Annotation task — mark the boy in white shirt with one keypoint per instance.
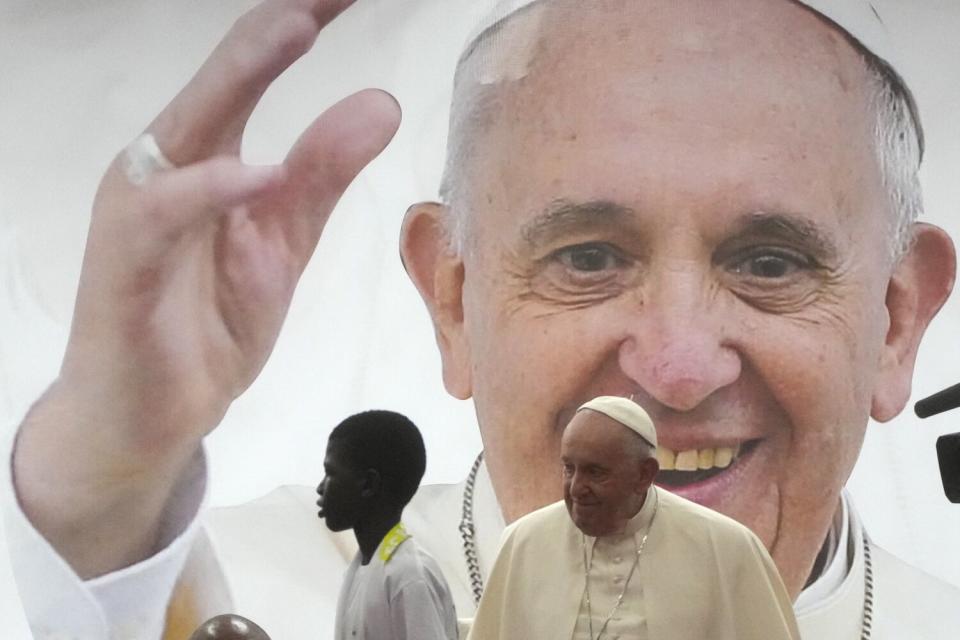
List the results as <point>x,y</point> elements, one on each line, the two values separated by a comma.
<point>393,589</point>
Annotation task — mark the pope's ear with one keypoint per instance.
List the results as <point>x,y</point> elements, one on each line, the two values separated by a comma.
<point>918,288</point>
<point>437,272</point>
<point>651,467</point>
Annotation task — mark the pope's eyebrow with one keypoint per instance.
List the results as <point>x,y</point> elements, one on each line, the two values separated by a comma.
<point>795,230</point>
<point>562,217</point>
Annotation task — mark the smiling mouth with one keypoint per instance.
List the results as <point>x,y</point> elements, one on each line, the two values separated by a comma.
<point>692,466</point>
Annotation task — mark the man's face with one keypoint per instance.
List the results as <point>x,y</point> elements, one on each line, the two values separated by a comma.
<point>341,490</point>
<point>604,475</point>
<point>681,201</point>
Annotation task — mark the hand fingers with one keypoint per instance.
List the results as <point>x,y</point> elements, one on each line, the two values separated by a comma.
<point>209,114</point>
<point>175,200</point>
<point>325,160</point>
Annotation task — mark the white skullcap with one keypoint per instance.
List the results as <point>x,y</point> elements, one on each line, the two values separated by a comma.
<point>626,412</point>
<point>857,18</point>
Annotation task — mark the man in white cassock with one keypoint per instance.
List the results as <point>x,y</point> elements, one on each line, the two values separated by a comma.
<point>620,558</point>
<point>709,205</point>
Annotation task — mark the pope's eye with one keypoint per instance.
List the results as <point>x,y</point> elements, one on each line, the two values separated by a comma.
<point>770,265</point>
<point>583,274</point>
<point>589,257</point>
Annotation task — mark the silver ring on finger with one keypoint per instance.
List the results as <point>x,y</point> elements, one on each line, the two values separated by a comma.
<point>143,158</point>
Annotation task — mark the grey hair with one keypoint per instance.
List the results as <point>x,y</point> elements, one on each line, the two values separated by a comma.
<point>470,114</point>
<point>896,129</point>
<point>898,144</point>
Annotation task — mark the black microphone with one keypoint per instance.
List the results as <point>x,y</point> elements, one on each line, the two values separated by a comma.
<point>948,446</point>
<point>939,402</point>
<point>229,626</point>
<point>948,453</point>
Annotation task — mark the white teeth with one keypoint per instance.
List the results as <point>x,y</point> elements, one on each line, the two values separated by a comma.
<point>705,458</point>
<point>723,457</point>
<point>694,459</point>
<point>687,460</point>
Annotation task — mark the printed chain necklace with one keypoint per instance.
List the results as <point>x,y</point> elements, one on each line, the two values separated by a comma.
<point>867,624</point>
<point>467,534</point>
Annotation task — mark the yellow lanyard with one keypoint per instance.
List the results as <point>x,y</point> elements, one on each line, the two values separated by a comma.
<point>394,538</point>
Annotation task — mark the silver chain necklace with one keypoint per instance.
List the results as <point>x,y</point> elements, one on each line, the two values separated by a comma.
<point>468,535</point>
<point>589,565</point>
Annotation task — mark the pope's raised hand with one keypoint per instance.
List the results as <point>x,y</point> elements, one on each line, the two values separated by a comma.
<point>185,283</point>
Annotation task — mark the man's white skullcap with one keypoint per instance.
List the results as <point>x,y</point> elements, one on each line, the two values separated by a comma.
<point>859,19</point>
<point>626,412</point>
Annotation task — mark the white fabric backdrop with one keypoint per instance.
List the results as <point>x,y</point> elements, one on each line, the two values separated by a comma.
<point>79,79</point>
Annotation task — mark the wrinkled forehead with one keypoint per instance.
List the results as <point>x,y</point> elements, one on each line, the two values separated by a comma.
<point>521,38</point>
<point>677,77</point>
<point>552,67</point>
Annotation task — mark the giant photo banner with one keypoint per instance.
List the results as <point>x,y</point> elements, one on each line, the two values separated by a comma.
<point>704,206</point>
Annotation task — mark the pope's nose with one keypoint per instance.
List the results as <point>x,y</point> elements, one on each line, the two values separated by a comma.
<point>679,352</point>
<point>578,488</point>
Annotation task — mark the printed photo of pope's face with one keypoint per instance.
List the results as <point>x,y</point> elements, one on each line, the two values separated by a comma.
<point>688,203</point>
